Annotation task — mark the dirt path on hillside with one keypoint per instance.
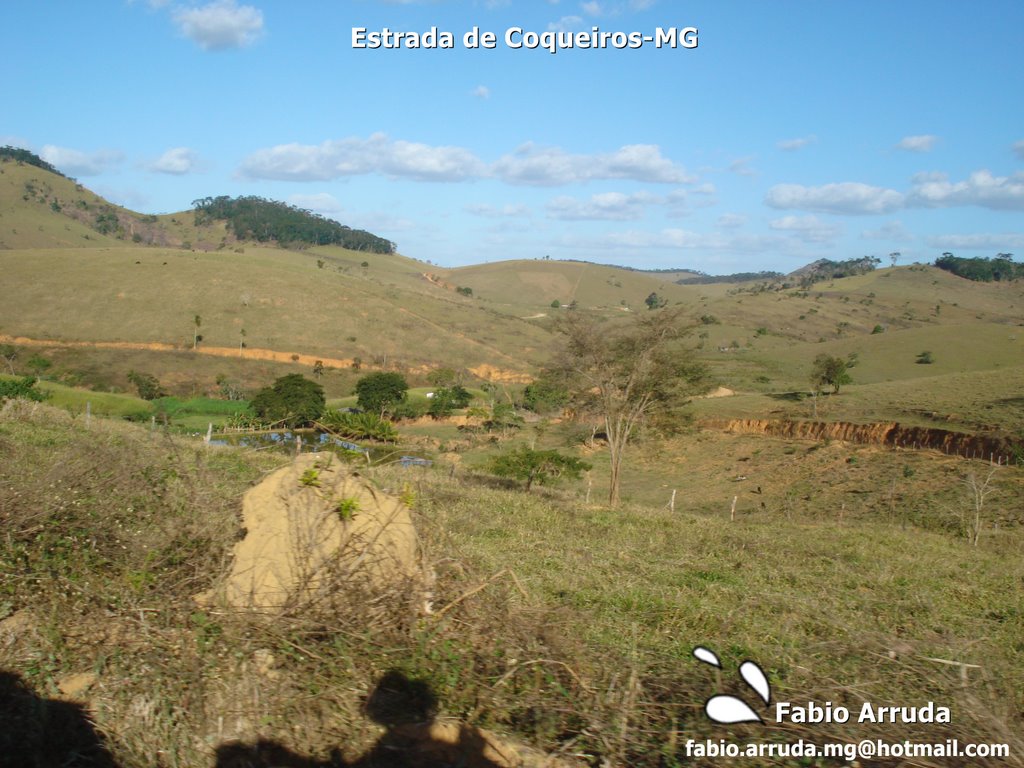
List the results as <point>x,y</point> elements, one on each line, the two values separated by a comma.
<point>482,371</point>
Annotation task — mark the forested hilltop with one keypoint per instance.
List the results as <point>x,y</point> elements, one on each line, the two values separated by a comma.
<point>1002,267</point>
<point>19,155</point>
<point>255,218</point>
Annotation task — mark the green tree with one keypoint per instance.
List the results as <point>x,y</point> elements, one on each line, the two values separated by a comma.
<point>532,466</point>
<point>625,373</point>
<point>447,399</point>
<point>147,384</point>
<point>443,377</point>
<point>831,371</point>
<point>381,392</point>
<point>545,396</point>
<point>925,358</point>
<point>654,301</point>
<point>293,399</point>
<point>197,321</point>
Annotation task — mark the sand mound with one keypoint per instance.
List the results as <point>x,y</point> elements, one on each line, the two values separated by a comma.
<point>317,532</point>
<point>720,392</point>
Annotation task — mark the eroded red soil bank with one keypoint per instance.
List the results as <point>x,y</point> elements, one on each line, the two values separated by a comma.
<point>892,434</point>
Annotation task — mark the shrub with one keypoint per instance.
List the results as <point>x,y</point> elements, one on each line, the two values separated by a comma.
<point>23,388</point>
<point>359,426</point>
<point>544,467</point>
<point>925,358</point>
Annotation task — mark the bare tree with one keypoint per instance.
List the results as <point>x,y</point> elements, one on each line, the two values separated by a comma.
<point>625,373</point>
<point>9,353</point>
<point>979,489</point>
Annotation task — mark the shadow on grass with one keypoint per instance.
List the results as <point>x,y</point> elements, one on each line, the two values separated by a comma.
<point>39,733</point>
<point>406,708</point>
<point>791,397</point>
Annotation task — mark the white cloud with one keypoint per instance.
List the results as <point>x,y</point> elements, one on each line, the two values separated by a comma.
<point>674,238</point>
<point>492,212</point>
<point>791,145</point>
<point>425,163</point>
<point>566,24</point>
<point>606,206</point>
<point>592,8</point>
<point>482,92</point>
<point>731,220</point>
<point>742,167</point>
<point>924,143</point>
<point>810,229</point>
<point>891,230</point>
<point>8,140</point>
<point>1018,148</point>
<point>321,202</point>
<point>176,161</point>
<point>552,166</point>
<point>354,156</point>
<point>76,163</point>
<point>981,188</point>
<point>220,25</point>
<point>994,242</point>
<point>848,197</point>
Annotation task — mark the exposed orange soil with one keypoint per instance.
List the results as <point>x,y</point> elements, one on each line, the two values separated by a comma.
<point>483,371</point>
<point>990,447</point>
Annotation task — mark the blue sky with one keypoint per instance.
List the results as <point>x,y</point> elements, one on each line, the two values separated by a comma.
<point>795,130</point>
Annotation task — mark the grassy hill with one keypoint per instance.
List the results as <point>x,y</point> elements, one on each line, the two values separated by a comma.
<point>136,291</point>
<point>530,287</point>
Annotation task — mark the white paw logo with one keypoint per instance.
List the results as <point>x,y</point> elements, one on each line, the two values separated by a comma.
<point>731,709</point>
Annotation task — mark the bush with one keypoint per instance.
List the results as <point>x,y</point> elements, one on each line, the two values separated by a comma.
<point>925,358</point>
<point>23,388</point>
<point>410,409</point>
<point>359,426</point>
